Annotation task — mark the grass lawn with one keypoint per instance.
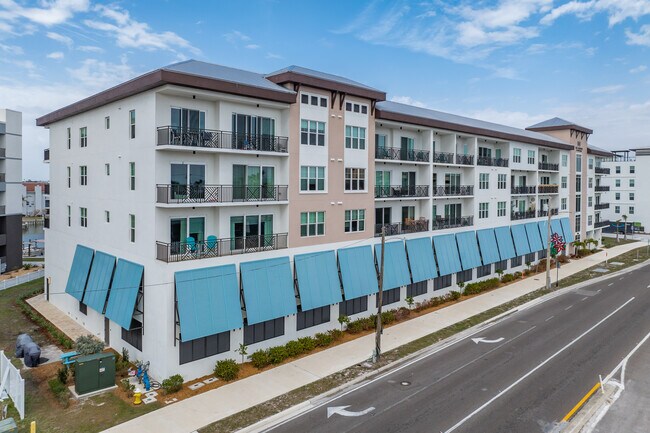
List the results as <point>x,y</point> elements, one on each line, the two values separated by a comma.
<point>611,242</point>
<point>92,415</point>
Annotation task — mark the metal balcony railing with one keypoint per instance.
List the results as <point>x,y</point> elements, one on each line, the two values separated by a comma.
<point>3,210</point>
<point>599,224</point>
<point>47,188</point>
<point>601,188</point>
<point>206,138</point>
<point>547,166</point>
<point>181,251</point>
<point>443,158</point>
<point>3,153</point>
<point>453,190</point>
<point>601,170</point>
<point>523,190</point>
<point>399,154</point>
<point>600,206</point>
<point>548,189</point>
<point>522,215</point>
<point>496,162</point>
<point>46,155</point>
<point>464,159</point>
<point>395,191</point>
<point>543,213</point>
<point>178,194</point>
<point>46,222</point>
<point>414,226</point>
<point>441,223</point>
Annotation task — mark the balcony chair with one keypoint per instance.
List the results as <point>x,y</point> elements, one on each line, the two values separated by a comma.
<point>211,244</point>
<point>190,245</point>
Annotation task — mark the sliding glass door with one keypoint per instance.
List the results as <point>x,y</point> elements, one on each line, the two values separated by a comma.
<point>182,229</point>
<point>251,182</point>
<point>184,120</point>
<point>187,181</point>
<point>251,232</point>
<point>252,132</point>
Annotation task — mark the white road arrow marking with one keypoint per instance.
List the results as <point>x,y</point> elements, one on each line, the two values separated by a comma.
<point>483,340</point>
<point>341,411</point>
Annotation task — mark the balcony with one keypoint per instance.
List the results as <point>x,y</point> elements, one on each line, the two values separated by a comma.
<point>47,189</point>
<point>495,162</point>
<point>543,213</point>
<point>601,170</point>
<point>600,188</point>
<point>548,189</point>
<point>465,159</point>
<point>451,222</point>
<point>600,206</point>
<point>3,153</point>
<point>523,189</point>
<point>443,158</point>
<point>547,166</point>
<point>3,210</point>
<point>399,154</point>
<point>46,155</point>
<point>455,190</point>
<point>211,139</point>
<point>399,191</point>
<point>182,251</point>
<point>181,194</point>
<point>522,215</point>
<point>413,226</point>
<point>46,222</point>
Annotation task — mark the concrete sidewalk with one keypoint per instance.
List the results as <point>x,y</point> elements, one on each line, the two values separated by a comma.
<point>57,317</point>
<point>196,412</point>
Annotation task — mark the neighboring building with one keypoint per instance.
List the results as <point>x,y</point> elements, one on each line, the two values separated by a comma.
<point>34,198</point>
<point>625,182</point>
<point>247,208</point>
<point>11,253</point>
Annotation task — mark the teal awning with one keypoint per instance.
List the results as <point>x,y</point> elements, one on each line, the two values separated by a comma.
<point>468,248</point>
<point>534,239</point>
<point>318,279</point>
<point>358,271</point>
<point>504,241</point>
<point>208,301</point>
<point>447,254</point>
<point>556,227</point>
<point>566,229</point>
<point>268,289</point>
<point>543,232</point>
<point>396,268</point>
<point>83,258</point>
<point>99,281</point>
<point>124,292</point>
<point>488,245</point>
<point>521,239</point>
<point>421,259</point>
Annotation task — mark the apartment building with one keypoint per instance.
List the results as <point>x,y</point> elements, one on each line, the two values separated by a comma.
<point>624,182</point>
<point>198,207</point>
<point>34,197</point>
<point>11,256</point>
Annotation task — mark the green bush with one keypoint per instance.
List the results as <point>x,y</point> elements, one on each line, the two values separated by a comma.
<point>60,391</point>
<point>293,348</point>
<point>517,275</point>
<point>481,286</point>
<point>172,384</point>
<point>363,324</point>
<point>260,359</point>
<point>277,354</point>
<point>454,295</point>
<point>227,369</point>
<point>387,317</point>
<point>323,340</point>
<point>62,374</point>
<point>308,344</point>
<point>129,388</point>
<point>88,345</point>
<point>506,278</point>
<point>336,334</point>
<point>402,313</point>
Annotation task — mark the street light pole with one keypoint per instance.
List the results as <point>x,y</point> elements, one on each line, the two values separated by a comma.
<point>548,247</point>
<point>377,354</point>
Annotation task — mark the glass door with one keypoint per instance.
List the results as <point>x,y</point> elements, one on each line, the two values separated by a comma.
<point>407,146</point>
<point>266,229</point>
<point>267,131</point>
<point>452,211</point>
<point>197,229</point>
<point>252,231</point>
<point>408,215</point>
<point>452,183</point>
<point>238,182</point>
<point>178,234</point>
<point>268,183</point>
<point>380,146</point>
<point>197,181</point>
<point>241,131</point>
<point>497,153</point>
<point>253,182</point>
<point>408,183</point>
<point>178,181</point>
<point>382,183</point>
<point>237,233</point>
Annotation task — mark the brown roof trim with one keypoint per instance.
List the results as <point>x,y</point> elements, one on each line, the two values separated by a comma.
<point>598,152</point>
<point>159,78</point>
<point>560,128</point>
<point>320,83</point>
<point>438,124</point>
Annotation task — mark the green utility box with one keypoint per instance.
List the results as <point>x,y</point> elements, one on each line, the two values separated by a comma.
<point>94,372</point>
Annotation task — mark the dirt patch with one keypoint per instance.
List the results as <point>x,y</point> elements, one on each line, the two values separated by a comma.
<point>18,273</point>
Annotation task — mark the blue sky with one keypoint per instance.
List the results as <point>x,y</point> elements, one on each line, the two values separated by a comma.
<point>514,62</point>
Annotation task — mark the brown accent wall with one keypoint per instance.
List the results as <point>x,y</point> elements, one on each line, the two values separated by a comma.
<point>334,213</point>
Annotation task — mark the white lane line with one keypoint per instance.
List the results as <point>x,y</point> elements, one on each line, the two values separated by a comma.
<point>610,284</point>
<point>621,278</point>
<point>549,318</point>
<point>540,365</point>
<point>648,286</point>
<point>584,299</point>
<point>568,308</point>
<point>598,291</point>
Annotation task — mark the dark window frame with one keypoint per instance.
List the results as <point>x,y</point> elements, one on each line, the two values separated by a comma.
<point>464,276</point>
<point>388,297</point>
<point>353,306</point>
<point>314,317</point>
<point>204,347</point>
<point>264,331</point>
<point>442,282</point>
<point>417,289</point>
<point>483,271</point>
<point>503,265</point>
<point>133,336</point>
<point>516,261</point>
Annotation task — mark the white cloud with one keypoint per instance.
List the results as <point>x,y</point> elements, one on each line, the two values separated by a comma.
<point>642,38</point>
<point>130,33</point>
<point>617,10</point>
<point>409,101</point>
<point>252,46</point>
<point>50,13</point>
<point>638,69</point>
<point>60,38</point>
<point>273,56</point>
<point>90,49</point>
<point>608,90</point>
<point>11,49</point>
<point>96,74</point>
<point>517,119</point>
<point>56,55</point>
<point>236,36</point>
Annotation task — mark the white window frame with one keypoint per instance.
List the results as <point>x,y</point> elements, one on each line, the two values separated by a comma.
<point>350,143</point>
<point>516,154</point>
<point>315,224</point>
<point>132,124</point>
<point>107,169</point>
<point>83,175</point>
<point>563,204</point>
<point>319,100</point>
<point>484,210</point>
<point>502,181</point>
<point>309,178</point>
<point>564,182</point>
<point>307,134</point>
<point>132,176</point>
<point>69,138</point>
<point>355,217</point>
<point>484,181</point>
<point>83,136</point>
<point>69,216</point>
<point>107,216</point>
<point>355,176</point>
<point>132,228</point>
<point>501,208</point>
<point>531,157</point>
<point>107,122</point>
<point>83,216</point>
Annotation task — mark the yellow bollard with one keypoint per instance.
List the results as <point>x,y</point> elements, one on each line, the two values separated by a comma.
<point>137,396</point>
<point>32,427</point>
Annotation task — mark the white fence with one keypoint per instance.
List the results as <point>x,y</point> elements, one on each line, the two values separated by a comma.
<point>5,284</point>
<point>12,384</point>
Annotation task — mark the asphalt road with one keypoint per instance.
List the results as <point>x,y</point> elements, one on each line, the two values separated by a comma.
<point>550,355</point>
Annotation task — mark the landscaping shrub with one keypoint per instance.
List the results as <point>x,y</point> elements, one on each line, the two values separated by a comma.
<point>260,359</point>
<point>172,384</point>
<point>62,374</point>
<point>402,314</point>
<point>481,286</point>
<point>323,339</point>
<point>363,324</point>
<point>60,391</point>
<point>517,274</point>
<point>562,259</point>
<point>88,345</point>
<point>277,354</point>
<point>227,369</point>
<point>336,334</point>
<point>129,388</point>
<point>454,295</point>
<point>293,348</point>
<point>387,317</point>
<point>506,278</point>
<point>307,343</point>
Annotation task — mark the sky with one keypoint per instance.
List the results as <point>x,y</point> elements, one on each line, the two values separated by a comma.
<point>514,62</point>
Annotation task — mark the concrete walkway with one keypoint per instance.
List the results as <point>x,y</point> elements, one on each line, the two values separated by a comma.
<point>55,316</point>
<point>191,414</point>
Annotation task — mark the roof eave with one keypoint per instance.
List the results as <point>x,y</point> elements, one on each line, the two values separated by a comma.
<point>598,152</point>
<point>438,124</point>
<point>308,80</point>
<point>560,128</point>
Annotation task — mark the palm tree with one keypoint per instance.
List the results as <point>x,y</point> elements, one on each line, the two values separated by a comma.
<point>617,223</point>
<point>624,227</point>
